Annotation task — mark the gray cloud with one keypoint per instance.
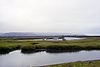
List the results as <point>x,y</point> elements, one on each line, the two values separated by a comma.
<point>81,16</point>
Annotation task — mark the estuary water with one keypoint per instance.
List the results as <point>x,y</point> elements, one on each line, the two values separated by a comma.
<point>18,59</point>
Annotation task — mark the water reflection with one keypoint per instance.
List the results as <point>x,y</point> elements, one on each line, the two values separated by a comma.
<point>4,52</point>
<point>29,51</point>
<point>64,51</point>
<point>41,50</point>
<point>61,51</point>
<point>38,50</point>
<point>18,59</point>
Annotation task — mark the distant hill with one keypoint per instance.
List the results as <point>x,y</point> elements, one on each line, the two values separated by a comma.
<point>17,34</point>
<point>37,34</point>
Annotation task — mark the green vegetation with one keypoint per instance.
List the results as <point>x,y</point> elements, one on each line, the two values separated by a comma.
<point>10,44</point>
<point>95,63</point>
<point>29,46</point>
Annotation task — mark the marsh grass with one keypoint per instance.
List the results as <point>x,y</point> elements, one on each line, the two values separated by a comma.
<point>95,63</point>
<point>8,44</point>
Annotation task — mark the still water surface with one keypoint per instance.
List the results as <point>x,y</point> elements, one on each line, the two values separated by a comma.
<point>18,59</point>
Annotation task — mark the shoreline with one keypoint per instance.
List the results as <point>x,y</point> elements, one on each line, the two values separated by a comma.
<point>88,63</point>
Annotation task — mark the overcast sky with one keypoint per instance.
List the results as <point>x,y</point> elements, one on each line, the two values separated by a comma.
<point>76,16</point>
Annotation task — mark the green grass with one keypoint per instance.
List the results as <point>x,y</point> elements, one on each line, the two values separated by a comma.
<point>10,44</point>
<point>95,63</point>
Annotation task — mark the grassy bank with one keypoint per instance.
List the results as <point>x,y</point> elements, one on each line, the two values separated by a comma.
<point>95,63</point>
<point>9,44</point>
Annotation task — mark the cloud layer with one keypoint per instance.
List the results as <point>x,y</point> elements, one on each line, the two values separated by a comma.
<point>79,16</point>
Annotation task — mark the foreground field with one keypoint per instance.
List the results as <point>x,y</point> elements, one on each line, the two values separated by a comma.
<point>9,44</point>
<point>77,64</point>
